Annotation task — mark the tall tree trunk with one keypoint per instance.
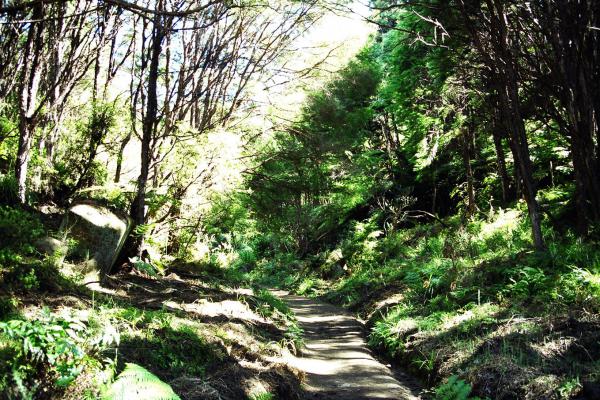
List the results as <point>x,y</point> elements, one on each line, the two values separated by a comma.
<point>574,55</point>
<point>389,144</point>
<point>467,140</point>
<point>587,184</point>
<point>497,134</point>
<point>498,55</point>
<point>434,196</point>
<point>148,126</point>
<point>520,150</point>
<point>510,104</point>
<point>583,130</point>
<point>26,130</point>
<point>28,90</point>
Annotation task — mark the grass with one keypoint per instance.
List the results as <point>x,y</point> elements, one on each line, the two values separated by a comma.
<point>468,299</point>
<point>270,306</point>
<point>171,347</point>
<point>464,299</point>
<point>69,342</point>
<point>473,299</point>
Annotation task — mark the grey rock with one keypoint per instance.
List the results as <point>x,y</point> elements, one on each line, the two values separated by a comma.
<point>50,246</point>
<point>100,234</point>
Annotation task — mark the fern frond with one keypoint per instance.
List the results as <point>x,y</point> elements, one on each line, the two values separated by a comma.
<point>136,382</point>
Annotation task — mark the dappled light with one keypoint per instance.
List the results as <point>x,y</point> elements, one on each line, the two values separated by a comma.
<point>299,200</point>
<point>336,359</point>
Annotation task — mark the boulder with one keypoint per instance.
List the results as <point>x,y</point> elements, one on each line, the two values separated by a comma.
<point>100,234</point>
<point>50,246</point>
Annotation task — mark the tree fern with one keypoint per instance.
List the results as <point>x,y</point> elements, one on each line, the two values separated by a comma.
<point>136,382</point>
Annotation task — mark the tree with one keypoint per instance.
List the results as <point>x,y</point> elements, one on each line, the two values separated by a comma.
<point>58,47</point>
<point>195,64</point>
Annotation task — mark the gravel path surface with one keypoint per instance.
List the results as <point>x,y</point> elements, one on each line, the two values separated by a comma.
<point>337,362</point>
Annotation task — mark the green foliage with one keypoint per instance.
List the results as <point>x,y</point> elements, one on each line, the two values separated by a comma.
<point>144,266</point>
<point>112,196</point>
<point>386,192</point>
<point>454,389</point>
<point>18,228</point>
<point>17,272</point>
<point>75,166</point>
<point>137,382</point>
<point>569,388</point>
<point>292,195</point>
<point>306,286</point>
<point>263,396</point>
<point>270,306</point>
<point>8,189</point>
<point>173,349</point>
<point>8,307</point>
<point>59,346</point>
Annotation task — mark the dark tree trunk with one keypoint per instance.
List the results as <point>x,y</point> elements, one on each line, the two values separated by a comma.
<point>148,127</point>
<point>488,27</point>
<point>506,73</point>
<point>26,129</point>
<point>120,158</point>
<point>434,196</point>
<point>573,60</point>
<point>520,150</point>
<point>497,135</point>
<point>573,56</point>
<point>511,113</point>
<point>467,140</point>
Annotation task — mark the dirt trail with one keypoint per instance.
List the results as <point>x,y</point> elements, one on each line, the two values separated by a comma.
<point>336,359</point>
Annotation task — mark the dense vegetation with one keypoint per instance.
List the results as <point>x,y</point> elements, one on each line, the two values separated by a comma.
<point>443,185</point>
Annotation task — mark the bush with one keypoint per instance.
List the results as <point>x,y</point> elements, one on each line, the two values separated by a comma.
<point>8,189</point>
<point>270,306</point>
<point>110,195</point>
<point>18,228</point>
<point>48,346</point>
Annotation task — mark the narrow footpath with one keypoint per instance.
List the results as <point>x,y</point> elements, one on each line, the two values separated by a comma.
<point>337,362</point>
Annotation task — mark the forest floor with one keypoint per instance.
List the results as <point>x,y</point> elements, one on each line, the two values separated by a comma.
<point>335,358</point>
<point>210,340</point>
<point>332,359</point>
<point>206,339</point>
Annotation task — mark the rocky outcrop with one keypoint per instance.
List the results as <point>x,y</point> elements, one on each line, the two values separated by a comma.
<point>99,233</point>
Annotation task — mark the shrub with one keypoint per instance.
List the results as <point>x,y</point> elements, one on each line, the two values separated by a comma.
<point>8,189</point>
<point>271,306</point>
<point>110,195</point>
<point>18,228</point>
<point>49,345</point>
<point>262,396</point>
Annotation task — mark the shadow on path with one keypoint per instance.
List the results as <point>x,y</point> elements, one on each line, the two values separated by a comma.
<point>336,359</point>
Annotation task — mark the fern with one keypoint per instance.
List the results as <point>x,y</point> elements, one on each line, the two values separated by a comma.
<point>454,389</point>
<point>262,396</point>
<point>136,382</point>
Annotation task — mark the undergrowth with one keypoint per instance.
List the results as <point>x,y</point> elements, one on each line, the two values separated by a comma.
<point>58,339</point>
<point>466,298</point>
<point>270,306</point>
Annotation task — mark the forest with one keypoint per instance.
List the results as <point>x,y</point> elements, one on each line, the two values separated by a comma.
<point>300,199</point>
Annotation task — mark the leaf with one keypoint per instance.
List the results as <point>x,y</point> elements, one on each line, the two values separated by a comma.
<point>136,382</point>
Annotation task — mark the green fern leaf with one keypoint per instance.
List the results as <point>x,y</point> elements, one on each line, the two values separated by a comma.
<point>136,382</point>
